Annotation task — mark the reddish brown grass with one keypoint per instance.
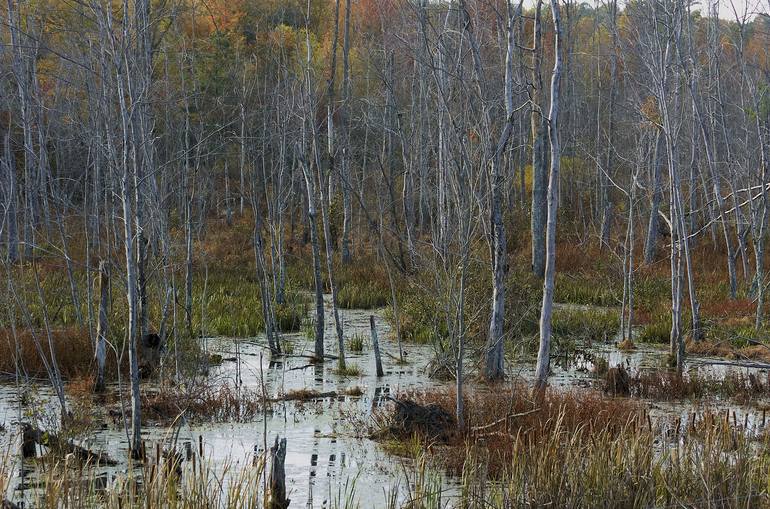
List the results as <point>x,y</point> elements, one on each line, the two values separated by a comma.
<point>72,347</point>
<point>217,403</point>
<point>725,350</point>
<point>729,308</point>
<point>664,385</point>
<point>500,421</point>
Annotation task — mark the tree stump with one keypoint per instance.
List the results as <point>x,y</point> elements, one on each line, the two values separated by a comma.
<point>617,382</point>
<point>149,354</point>
<point>277,480</point>
<point>376,345</point>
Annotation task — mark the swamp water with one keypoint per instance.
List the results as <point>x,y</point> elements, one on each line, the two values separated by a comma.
<point>328,455</point>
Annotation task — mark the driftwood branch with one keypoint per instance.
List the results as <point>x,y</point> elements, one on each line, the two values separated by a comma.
<point>508,417</point>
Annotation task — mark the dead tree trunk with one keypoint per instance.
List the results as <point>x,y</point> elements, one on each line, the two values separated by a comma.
<point>376,346</point>
<point>544,351</point>
<point>102,327</point>
<point>276,496</point>
<point>539,154</point>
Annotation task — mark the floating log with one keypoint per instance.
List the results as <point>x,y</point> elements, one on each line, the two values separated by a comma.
<point>304,395</point>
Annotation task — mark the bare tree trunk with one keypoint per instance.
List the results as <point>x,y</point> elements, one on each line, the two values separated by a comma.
<point>330,271</point>
<point>12,248</point>
<point>539,155</point>
<point>319,285</point>
<point>346,149</point>
<point>494,366</point>
<point>277,481</point>
<point>131,290</point>
<point>607,213</point>
<point>544,351</point>
<point>102,328</point>
<point>376,346</point>
<point>651,242</point>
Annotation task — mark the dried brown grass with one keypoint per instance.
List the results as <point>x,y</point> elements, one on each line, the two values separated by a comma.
<point>726,350</point>
<point>500,421</point>
<point>201,403</point>
<point>71,345</point>
<point>665,385</point>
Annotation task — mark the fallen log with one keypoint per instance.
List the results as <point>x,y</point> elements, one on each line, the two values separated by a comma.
<point>304,395</point>
<point>738,364</point>
<point>32,435</point>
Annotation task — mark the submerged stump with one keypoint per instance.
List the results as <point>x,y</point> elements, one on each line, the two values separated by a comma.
<point>617,382</point>
<point>277,480</point>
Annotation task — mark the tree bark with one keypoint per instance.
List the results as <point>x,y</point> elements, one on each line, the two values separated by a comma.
<point>544,351</point>
<point>540,177</point>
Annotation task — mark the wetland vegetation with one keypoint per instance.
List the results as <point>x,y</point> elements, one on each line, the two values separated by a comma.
<point>398,254</point>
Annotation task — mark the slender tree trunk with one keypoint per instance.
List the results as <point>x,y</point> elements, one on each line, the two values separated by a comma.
<point>12,249</point>
<point>347,211</point>
<point>544,351</point>
<point>494,367</point>
<point>539,155</point>
<point>102,328</point>
<point>651,242</point>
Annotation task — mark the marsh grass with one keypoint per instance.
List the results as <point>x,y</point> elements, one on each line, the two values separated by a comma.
<point>501,418</point>
<point>663,385</point>
<point>203,402</point>
<point>356,343</point>
<point>72,348</point>
<point>586,289</point>
<point>357,296</point>
<point>163,483</point>
<point>350,370</point>
<point>623,468</point>
<point>234,309</point>
<point>589,325</point>
<point>580,448</point>
<point>658,331</point>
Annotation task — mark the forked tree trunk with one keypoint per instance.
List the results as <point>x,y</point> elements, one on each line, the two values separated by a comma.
<point>494,365</point>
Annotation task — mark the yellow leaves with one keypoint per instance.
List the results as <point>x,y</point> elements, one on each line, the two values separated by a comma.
<point>650,111</point>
